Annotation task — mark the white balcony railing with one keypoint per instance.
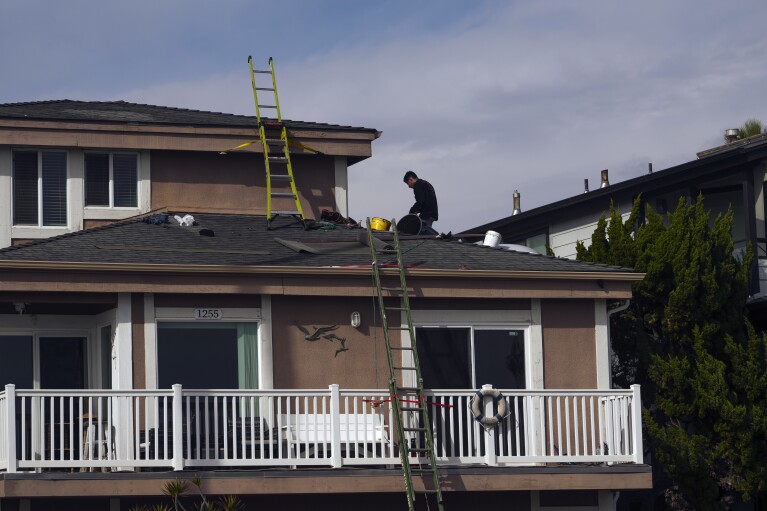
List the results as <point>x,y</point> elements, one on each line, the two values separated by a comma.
<point>179,428</point>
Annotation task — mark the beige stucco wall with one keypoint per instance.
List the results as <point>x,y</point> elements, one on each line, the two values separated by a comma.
<point>236,183</point>
<point>302,364</point>
<point>569,344</point>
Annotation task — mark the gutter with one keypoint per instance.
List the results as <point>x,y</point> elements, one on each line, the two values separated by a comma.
<point>312,270</point>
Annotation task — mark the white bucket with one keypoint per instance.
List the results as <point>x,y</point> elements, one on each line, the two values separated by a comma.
<point>492,239</point>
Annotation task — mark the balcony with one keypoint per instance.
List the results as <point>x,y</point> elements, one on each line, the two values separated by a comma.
<point>180,429</point>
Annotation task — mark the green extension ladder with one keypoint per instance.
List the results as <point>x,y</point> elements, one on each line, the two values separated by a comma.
<point>411,415</point>
<point>274,139</point>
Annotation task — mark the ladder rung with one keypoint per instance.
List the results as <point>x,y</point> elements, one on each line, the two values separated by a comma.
<point>413,429</point>
<point>278,159</point>
<point>275,141</point>
<point>407,368</point>
<point>410,409</point>
<point>286,212</point>
<point>396,308</point>
<point>419,449</point>
<point>267,106</point>
<point>262,71</point>
<point>284,177</point>
<point>391,289</point>
<point>283,194</point>
<point>402,348</point>
<point>264,88</point>
<point>408,389</point>
<point>399,328</point>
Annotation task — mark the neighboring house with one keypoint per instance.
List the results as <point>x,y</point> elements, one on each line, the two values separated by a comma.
<point>730,176</point>
<point>147,350</point>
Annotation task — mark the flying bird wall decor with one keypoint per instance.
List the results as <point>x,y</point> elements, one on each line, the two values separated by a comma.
<point>324,332</point>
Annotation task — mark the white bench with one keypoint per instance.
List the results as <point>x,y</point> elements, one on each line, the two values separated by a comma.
<point>353,428</point>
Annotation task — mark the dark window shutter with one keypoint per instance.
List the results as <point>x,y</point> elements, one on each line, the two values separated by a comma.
<point>25,188</point>
<point>125,175</point>
<point>54,170</point>
<point>96,179</point>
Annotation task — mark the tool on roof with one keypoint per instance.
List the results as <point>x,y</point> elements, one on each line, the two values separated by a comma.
<point>411,414</point>
<point>274,138</point>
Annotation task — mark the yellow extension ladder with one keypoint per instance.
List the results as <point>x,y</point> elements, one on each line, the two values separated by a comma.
<point>274,139</point>
<point>410,409</point>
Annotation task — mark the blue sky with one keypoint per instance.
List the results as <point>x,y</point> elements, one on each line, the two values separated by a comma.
<point>478,97</point>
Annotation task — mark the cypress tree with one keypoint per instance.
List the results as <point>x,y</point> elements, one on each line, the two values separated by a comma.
<point>685,338</point>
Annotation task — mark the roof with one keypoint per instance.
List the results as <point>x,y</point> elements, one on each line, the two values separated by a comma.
<point>244,241</point>
<point>712,161</point>
<point>122,112</point>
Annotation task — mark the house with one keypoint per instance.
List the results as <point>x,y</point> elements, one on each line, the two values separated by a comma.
<point>138,350</point>
<point>70,165</point>
<point>733,175</point>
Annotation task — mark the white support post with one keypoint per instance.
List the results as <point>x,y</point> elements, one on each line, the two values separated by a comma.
<point>335,425</point>
<point>178,430</point>
<point>10,428</point>
<point>636,424</point>
<point>491,458</point>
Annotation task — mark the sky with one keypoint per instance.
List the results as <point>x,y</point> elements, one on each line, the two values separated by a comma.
<point>480,98</point>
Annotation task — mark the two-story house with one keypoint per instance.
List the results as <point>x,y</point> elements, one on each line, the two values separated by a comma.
<point>135,350</point>
<point>733,175</point>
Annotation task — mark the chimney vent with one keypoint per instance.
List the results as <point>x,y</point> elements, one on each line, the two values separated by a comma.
<point>649,168</point>
<point>517,209</point>
<point>605,181</point>
<point>585,186</point>
<point>731,135</point>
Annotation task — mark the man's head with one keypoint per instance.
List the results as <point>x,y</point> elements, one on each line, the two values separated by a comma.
<point>410,178</point>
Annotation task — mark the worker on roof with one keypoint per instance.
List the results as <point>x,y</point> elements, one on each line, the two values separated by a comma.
<point>425,198</point>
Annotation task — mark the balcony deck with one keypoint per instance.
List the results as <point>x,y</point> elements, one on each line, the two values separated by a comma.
<point>181,429</point>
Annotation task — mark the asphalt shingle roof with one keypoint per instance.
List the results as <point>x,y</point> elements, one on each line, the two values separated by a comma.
<point>244,240</point>
<point>137,114</point>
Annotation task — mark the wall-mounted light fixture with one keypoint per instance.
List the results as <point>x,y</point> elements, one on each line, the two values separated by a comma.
<point>356,319</point>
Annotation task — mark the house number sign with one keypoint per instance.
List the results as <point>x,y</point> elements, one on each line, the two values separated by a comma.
<point>208,314</point>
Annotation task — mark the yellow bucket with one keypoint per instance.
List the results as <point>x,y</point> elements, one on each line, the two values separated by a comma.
<point>379,224</point>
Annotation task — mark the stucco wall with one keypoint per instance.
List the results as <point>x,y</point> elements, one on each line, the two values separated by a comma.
<point>569,345</point>
<point>236,183</point>
<point>302,364</point>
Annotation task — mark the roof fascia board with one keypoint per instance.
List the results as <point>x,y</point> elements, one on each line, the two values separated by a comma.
<point>313,270</point>
<point>355,148</point>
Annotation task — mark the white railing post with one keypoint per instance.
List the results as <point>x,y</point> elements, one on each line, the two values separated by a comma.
<point>178,428</point>
<point>335,426</point>
<point>491,458</point>
<point>636,424</point>
<point>10,428</point>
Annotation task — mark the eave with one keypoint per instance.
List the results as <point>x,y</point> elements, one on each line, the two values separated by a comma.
<point>46,276</point>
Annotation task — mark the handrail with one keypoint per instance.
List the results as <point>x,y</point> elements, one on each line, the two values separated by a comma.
<point>176,429</point>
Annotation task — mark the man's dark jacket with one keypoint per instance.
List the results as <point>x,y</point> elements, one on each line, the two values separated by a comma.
<point>425,200</point>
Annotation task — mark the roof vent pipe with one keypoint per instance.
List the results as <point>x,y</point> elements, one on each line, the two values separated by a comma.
<point>605,181</point>
<point>585,186</point>
<point>517,210</point>
<point>731,135</point>
<point>649,168</point>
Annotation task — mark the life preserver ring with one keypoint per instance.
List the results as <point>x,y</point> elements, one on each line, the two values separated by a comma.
<point>478,401</point>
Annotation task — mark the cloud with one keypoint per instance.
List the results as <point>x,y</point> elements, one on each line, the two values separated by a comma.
<point>480,98</point>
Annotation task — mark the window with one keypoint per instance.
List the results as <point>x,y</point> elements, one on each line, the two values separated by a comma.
<point>40,188</point>
<point>207,355</point>
<point>111,180</point>
<point>469,357</point>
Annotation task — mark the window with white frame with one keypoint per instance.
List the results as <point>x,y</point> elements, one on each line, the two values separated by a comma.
<point>111,180</point>
<point>40,188</point>
<point>465,357</point>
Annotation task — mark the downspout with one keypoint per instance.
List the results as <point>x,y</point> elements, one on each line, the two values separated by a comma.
<point>620,308</point>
